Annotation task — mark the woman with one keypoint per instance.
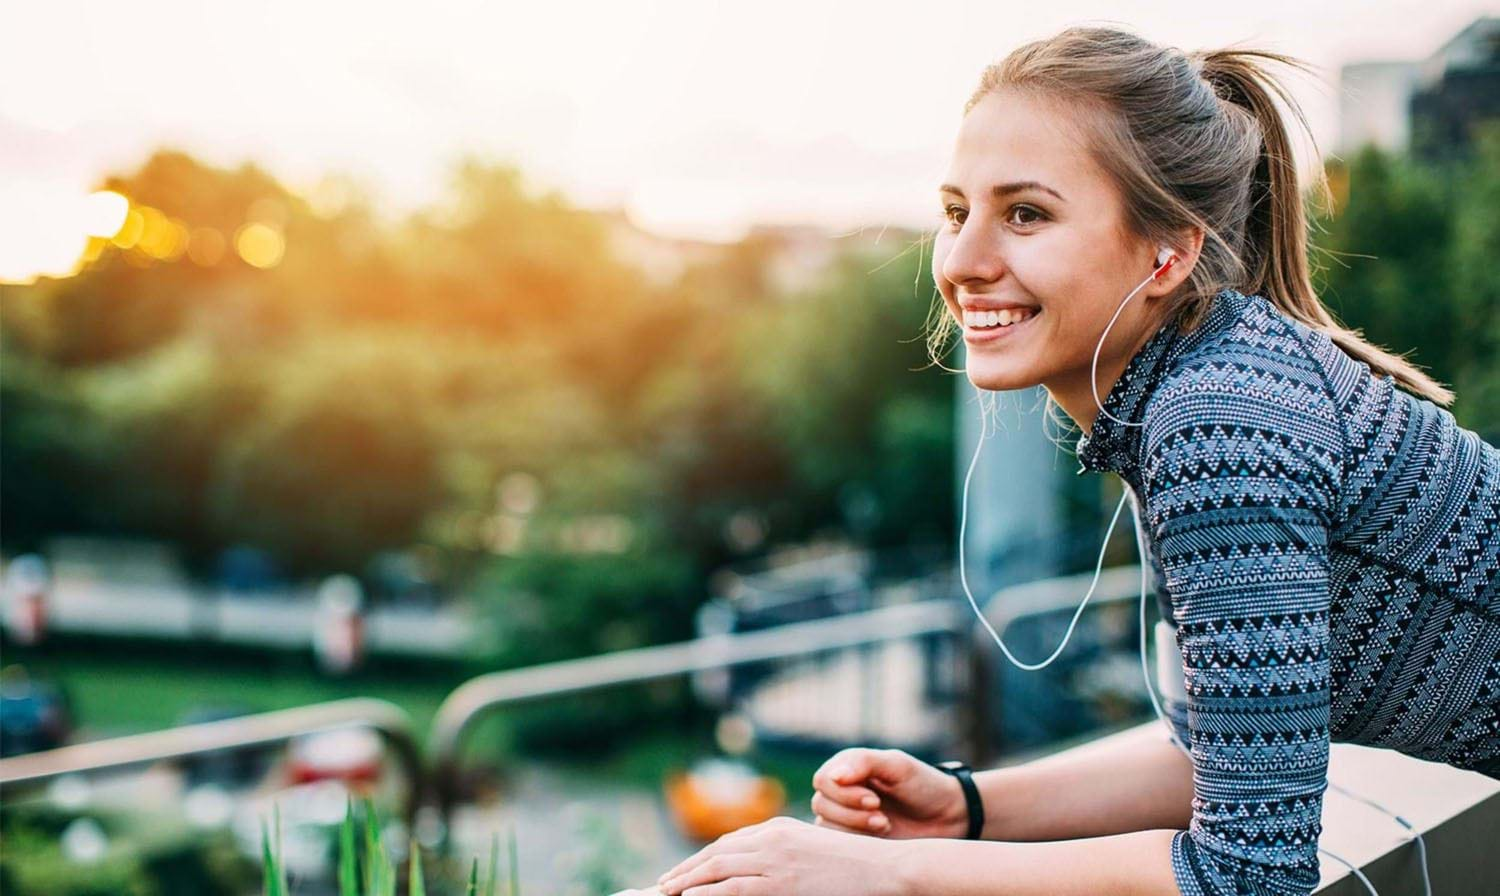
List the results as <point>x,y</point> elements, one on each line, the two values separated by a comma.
<point>1323,535</point>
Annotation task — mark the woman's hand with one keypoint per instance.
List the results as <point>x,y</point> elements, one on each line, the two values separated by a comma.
<point>788,857</point>
<point>888,793</point>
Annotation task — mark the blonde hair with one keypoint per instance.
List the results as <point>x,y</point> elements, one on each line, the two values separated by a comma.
<point>1194,141</point>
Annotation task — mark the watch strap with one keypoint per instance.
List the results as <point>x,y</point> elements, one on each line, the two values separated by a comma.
<point>973,803</point>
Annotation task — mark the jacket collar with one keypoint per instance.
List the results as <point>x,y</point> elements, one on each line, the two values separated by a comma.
<point>1114,446</point>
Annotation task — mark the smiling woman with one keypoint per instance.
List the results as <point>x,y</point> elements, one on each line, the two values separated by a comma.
<point>1312,589</point>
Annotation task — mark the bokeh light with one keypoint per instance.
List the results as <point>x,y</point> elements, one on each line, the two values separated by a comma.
<point>131,230</point>
<point>259,244</point>
<point>46,229</point>
<point>104,213</point>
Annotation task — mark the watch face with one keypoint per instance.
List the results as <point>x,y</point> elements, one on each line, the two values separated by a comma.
<point>952,764</point>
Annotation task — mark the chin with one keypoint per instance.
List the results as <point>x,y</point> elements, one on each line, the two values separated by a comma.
<point>998,377</point>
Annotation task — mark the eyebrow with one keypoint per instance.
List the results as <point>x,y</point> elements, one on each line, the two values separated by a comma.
<point>1000,191</point>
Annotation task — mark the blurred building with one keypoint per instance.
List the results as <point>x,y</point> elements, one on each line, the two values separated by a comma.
<point>1426,106</point>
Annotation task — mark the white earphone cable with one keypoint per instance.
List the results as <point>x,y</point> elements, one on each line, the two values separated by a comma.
<point>964,510</point>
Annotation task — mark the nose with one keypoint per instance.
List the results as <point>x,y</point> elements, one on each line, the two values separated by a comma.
<point>973,257</point>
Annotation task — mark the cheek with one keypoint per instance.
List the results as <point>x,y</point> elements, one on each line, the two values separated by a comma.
<point>1045,269</point>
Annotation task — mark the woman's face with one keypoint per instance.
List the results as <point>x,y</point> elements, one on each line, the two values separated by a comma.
<point>1031,221</point>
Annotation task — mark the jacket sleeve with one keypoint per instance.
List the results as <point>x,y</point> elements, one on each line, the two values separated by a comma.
<point>1242,485</point>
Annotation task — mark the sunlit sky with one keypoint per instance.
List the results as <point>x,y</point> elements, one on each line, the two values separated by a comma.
<point>698,117</point>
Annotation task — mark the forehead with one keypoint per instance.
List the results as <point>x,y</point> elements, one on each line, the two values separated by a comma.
<point>1014,136</point>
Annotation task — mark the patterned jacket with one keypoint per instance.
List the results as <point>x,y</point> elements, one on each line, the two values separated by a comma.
<point>1327,547</point>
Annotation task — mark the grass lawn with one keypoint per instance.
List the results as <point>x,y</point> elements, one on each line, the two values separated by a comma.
<point>111,697</point>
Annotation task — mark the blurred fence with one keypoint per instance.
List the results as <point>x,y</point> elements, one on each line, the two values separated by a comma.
<point>825,682</point>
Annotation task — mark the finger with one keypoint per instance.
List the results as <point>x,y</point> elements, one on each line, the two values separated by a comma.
<point>845,766</point>
<point>854,819</point>
<point>851,794</point>
<point>740,886</point>
<point>715,869</point>
<point>820,821</point>
<point>854,796</point>
<point>731,843</point>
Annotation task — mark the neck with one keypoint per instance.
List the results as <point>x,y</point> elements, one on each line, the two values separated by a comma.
<point>1072,392</point>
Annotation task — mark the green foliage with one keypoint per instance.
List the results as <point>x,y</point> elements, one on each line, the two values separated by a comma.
<point>372,390</point>
<point>146,854</point>
<point>348,864</point>
<point>379,875</point>
<point>275,883</point>
<point>34,864</point>
<point>837,371</point>
<point>1409,260</point>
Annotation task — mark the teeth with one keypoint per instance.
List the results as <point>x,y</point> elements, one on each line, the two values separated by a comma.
<point>1003,318</point>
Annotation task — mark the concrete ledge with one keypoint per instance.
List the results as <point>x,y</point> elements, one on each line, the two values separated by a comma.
<point>1457,812</point>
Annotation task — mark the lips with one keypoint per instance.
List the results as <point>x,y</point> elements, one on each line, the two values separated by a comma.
<point>1001,306</point>
<point>978,336</point>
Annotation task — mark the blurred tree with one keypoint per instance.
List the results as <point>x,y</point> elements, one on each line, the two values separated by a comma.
<point>379,383</point>
<point>840,372</point>
<point>1411,264</point>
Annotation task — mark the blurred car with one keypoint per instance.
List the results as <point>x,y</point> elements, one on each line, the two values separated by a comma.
<point>352,756</point>
<point>34,714</point>
<point>717,796</point>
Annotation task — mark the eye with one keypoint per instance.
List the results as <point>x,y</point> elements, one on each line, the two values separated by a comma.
<point>950,213</point>
<point>1026,208</point>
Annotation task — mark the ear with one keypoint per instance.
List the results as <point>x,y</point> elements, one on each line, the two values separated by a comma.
<point>1185,247</point>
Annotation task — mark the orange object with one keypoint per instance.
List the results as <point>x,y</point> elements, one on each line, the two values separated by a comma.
<point>714,800</point>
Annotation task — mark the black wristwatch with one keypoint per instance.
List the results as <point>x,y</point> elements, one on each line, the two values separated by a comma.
<point>960,770</point>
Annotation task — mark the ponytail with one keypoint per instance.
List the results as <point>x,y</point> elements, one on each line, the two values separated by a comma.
<point>1274,250</point>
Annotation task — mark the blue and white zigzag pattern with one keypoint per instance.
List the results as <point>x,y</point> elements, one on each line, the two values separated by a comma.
<point>1328,548</point>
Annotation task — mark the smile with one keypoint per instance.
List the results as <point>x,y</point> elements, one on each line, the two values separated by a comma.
<point>989,326</point>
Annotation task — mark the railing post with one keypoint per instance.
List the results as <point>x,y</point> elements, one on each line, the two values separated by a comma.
<point>978,707</point>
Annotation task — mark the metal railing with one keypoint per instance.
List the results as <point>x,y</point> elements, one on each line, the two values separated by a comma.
<point>262,729</point>
<point>488,693</point>
<point>456,716</point>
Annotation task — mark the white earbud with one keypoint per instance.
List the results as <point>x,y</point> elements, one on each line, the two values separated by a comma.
<point>1165,258</point>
